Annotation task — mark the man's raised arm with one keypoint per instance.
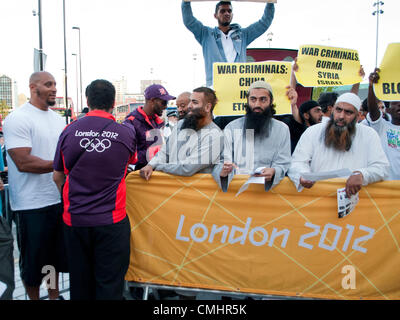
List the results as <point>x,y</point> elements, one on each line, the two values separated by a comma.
<point>373,108</point>
<point>190,22</point>
<point>256,29</point>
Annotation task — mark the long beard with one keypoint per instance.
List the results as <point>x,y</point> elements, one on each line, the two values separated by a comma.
<point>338,137</point>
<point>191,121</point>
<point>259,122</point>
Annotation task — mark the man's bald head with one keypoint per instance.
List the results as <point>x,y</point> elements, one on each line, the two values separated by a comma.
<point>43,89</point>
<point>38,76</point>
<point>182,102</point>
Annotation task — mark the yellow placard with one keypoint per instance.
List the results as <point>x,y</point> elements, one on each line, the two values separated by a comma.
<point>187,232</point>
<point>321,66</point>
<point>388,86</point>
<point>232,82</point>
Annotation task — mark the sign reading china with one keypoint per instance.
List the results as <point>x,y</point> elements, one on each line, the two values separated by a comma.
<point>232,82</point>
<point>321,66</point>
<point>186,232</point>
<point>388,86</point>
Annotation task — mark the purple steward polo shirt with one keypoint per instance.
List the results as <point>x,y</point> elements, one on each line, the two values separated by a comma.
<point>94,192</point>
<point>146,144</point>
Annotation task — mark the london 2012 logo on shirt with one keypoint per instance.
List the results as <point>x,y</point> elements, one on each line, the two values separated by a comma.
<point>393,137</point>
<point>95,145</point>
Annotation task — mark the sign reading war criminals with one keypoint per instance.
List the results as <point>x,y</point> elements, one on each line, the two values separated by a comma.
<point>232,82</point>
<point>388,86</point>
<point>321,66</point>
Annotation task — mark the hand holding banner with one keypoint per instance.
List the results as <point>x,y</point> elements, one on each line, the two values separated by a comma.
<point>321,66</point>
<point>388,86</point>
<point>232,81</point>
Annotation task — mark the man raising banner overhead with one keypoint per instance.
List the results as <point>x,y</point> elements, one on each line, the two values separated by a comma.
<point>228,41</point>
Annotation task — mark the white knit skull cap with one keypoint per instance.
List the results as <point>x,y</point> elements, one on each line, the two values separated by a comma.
<point>261,85</point>
<point>350,98</point>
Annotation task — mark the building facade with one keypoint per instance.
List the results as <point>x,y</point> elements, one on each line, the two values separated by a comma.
<point>6,90</point>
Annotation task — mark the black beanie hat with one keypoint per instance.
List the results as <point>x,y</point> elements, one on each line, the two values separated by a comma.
<point>308,105</point>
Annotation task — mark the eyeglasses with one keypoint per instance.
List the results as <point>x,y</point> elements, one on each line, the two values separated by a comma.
<point>346,111</point>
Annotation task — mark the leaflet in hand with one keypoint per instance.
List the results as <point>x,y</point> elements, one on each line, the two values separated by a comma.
<point>345,205</point>
<point>252,179</point>
<point>316,176</point>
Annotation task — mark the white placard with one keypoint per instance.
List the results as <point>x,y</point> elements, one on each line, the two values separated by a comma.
<point>345,205</point>
<point>317,176</point>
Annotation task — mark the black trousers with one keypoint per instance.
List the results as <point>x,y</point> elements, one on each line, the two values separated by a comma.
<point>98,258</point>
<point>41,242</point>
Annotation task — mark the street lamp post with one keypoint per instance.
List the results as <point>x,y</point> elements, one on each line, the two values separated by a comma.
<point>40,36</point>
<point>76,73</point>
<point>377,12</point>
<point>269,39</point>
<point>80,63</point>
<point>65,68</point>
<point>194,69</point>
<point>39,14</point>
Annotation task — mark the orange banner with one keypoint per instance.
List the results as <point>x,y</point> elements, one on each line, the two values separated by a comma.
<point>188,233</point>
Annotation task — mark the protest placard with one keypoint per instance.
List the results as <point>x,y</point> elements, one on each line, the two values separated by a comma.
<point>232,82</point>
<point>321,66</point>
<point>388,86</point>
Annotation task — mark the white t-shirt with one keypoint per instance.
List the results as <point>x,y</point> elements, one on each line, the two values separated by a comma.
<point>227,44</point>
<point>30,127</point>
<point>325,119</point>
<point>390,140</point>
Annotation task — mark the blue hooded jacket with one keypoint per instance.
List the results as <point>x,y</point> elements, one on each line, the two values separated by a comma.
<point>210,38</point>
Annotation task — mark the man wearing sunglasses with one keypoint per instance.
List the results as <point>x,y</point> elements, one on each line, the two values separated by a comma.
<point>147,122</point>
<point>340,143</point>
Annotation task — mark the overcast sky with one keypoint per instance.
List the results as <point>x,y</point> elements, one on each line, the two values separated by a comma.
<point>130,37</point>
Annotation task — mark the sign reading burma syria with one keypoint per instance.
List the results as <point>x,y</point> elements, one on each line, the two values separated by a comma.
<point>321,66</point>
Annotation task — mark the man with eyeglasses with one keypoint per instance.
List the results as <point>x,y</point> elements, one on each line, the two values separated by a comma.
<point>147,122</point>
<point>227,42</point>
<point>340,143</point>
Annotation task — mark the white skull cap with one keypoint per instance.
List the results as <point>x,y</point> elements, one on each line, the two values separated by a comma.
<point>350,98</point>
<point>261,85</point>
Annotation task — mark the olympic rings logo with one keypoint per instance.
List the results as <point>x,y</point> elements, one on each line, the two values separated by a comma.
<point>95,145</point>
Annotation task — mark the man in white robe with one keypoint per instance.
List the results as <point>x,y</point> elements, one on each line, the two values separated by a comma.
<point>338,144</point>
<point>256,141</point>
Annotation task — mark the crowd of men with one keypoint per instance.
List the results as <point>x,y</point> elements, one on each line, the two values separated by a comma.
<point>86,231</point>
<point>87,162</point>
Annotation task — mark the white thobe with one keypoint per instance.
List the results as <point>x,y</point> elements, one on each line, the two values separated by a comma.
<point>365,155</point>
